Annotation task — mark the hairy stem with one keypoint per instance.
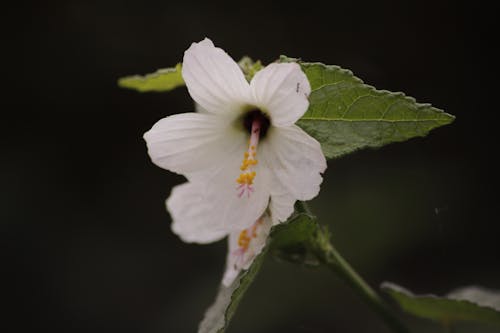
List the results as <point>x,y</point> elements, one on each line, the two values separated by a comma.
<point>329,256</point>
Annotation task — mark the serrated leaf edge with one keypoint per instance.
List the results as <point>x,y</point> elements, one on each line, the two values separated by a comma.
<point>444,117</point>
<point>143,78</point>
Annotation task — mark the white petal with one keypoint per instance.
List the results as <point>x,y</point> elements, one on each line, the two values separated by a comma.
<point>190,143</point>
<point>198,108</point>
<point>188,210</point>
<point>232,270</point>
<point>295,159</point>
<point>210,155</point>
<point>282,90</point>
<point>281,207</point>
<point>229,211</point>
<point>217,189</point>
<point>214,80</point>
<point>241,260</point>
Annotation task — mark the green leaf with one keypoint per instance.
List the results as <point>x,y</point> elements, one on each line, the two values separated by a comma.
<point>162,80</point>
<point>291,241</point>
<point>345,114</point>
<point>465,304</point>
<point>167,79</point>
<point>219,314</point>
<point>299,229</point>
<point>296,230</point>
<point>249,67</point>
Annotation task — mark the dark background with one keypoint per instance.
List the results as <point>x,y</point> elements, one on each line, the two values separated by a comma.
<point>86,237</point>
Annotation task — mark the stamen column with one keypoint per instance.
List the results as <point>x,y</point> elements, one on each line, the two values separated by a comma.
<point>245,180</point>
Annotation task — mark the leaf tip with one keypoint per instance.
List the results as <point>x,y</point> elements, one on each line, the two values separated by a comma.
<point>124,82</point>
<point>448,118</point>
<point>390,287</point>
<point>284,58</point>
<point>162,80</point>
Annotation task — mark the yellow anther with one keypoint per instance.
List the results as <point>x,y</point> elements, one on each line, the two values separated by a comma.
<point>247,160</point>
<point>247,175</point>
<point>246,236</point>
<point>244,240</point>
<point>246,178</point>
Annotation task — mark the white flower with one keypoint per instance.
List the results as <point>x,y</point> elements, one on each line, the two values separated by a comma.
<point>241,152</point>
<point>244,247</point>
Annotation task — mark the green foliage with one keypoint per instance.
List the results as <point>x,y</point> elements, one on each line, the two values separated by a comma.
<point>345,114</point>
<point>167,79</point>
<point>292,241</point>
<point>162,80</point>
<point>249,67</point>
<point>466,304</point>
<point>294,232</point>
<point>219,314</point>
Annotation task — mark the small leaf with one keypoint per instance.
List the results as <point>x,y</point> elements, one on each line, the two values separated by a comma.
<point>162,80</point>
<point>345,114</point>
<point>291,241</point>
<point>467,304</point>
<point>298,230</point>
<point>218,316</point>
<point>249,67</point>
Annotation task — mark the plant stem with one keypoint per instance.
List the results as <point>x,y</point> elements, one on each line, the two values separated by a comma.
<point>328,255</point>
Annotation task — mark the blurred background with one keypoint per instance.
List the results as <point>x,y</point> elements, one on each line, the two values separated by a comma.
<point>85,235</point>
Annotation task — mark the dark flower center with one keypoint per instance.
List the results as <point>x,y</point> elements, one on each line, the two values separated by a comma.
<point>256,115</point>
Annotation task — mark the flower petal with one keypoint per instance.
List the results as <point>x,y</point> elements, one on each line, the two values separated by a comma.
<point>191,143</point>
<point>282,90</point>
<point>296,161</point>
<point>230,211</point>
<point>198,108</point>
<point>214,80</point>
<point>217,194</point>
<point>188,209</point>
<point>239,259</point>
<point>232,269</point>
<point>281,207</point>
